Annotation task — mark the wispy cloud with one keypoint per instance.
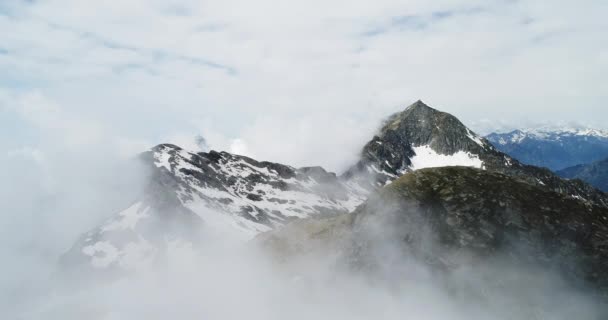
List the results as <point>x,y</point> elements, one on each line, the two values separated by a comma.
<point>151,70</point>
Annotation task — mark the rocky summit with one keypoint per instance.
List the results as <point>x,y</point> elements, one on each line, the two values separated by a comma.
<point>190,194</point>
<point>417,137</point>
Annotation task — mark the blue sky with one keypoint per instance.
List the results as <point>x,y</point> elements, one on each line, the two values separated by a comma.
<point>298,82</point>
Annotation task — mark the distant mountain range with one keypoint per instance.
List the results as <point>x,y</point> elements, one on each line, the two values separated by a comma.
<point>553,148</point>
<point>595,173</point>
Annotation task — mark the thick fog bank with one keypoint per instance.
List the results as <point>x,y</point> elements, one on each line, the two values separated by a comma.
<point>225,279</point>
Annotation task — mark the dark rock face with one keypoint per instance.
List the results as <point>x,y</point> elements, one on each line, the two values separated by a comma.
<point>420,125</point>
<point>596,174</point>
<point>388,155</point>
<point>553,149</point>
<point>443,214</point>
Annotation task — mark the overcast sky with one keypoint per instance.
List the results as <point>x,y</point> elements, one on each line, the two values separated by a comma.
<point>299,82</point>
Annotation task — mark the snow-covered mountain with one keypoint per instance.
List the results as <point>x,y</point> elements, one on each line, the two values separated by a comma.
<point>192,194</point>
<point>553,148</point>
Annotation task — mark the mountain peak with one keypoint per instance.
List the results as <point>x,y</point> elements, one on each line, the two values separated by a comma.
<point>419,137</point>
<point>421,125</point>
<point>419,105</point>
<point>419,109</point>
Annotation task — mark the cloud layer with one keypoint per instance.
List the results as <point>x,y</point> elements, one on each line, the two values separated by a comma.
<point>294,74</point>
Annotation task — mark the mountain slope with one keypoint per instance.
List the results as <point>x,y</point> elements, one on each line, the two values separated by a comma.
<point>455,216</point>
<point>553,148</point>
<point>596,174</point>
<point>191,194</point>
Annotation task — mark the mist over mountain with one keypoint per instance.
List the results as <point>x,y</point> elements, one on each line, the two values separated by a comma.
<point>271,160</point>
<point>429,206</point>
<point>458,217</point>
<point>222,191</point>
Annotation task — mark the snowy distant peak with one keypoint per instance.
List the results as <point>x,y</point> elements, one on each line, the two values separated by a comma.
<point>551,131</point>
<point>546,133</point>
<point>552,147</point>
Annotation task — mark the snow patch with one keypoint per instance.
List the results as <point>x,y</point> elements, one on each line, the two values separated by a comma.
<point>426,157</point>
<point>162,160</point>
<point>128,218</point>
<point>475,138</point>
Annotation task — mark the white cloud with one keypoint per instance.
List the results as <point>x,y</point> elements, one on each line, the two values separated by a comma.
<point>146,68</point>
